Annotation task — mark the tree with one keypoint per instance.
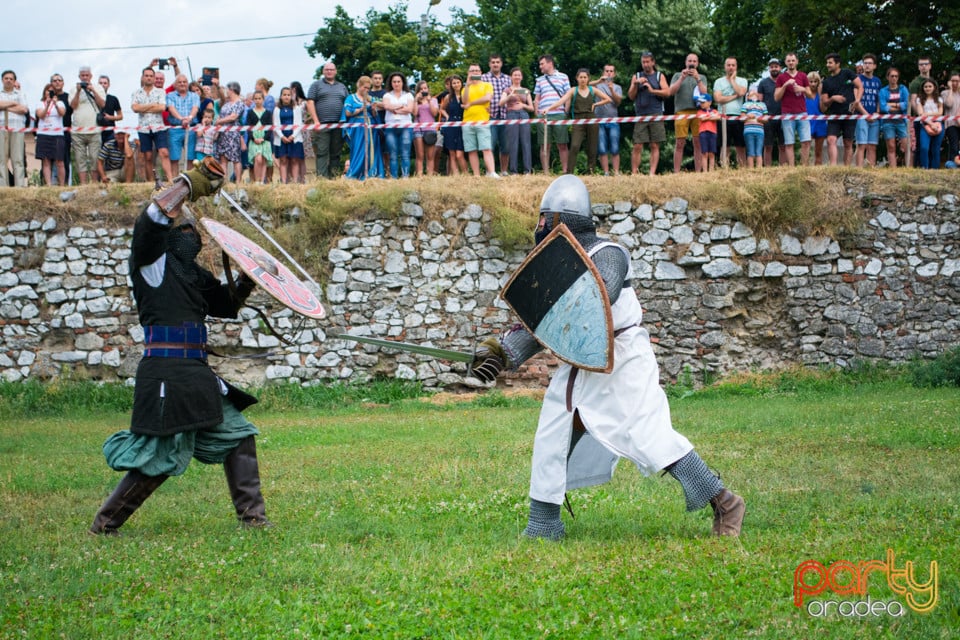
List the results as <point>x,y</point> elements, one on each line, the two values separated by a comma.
<point>384,41</point>
<point>897,32</point>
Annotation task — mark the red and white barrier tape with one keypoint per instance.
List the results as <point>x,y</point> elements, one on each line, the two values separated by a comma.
<point>437,125</point>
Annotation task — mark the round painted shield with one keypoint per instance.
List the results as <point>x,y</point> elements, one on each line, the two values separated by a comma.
<point>270,274</point>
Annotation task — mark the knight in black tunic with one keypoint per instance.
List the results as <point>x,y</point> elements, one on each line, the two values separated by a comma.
<point>181,408</point>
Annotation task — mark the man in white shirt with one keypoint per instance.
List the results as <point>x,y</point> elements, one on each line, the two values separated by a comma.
<point>13,114</point>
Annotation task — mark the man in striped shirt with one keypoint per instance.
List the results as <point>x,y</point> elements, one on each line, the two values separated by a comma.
<point>113,153</point>
<point>550,87</point>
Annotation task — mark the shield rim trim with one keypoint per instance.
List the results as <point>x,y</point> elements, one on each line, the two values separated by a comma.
<point>322,313</point>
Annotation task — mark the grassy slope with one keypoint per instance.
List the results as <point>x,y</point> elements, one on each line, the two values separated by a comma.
<point>405,522</point>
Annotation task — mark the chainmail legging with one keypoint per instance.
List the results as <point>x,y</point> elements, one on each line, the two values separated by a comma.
<point>698,482</point>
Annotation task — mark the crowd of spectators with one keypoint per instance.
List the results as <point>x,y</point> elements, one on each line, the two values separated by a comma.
<point>393,129</point>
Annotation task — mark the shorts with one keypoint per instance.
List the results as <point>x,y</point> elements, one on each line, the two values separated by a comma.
<point>868,132</point>
<point>894,129</point>
<point>685,126</point>
<point>609,140</point>
<point>558,134</point>
<point>151,140</point>
<point>708,142</point>
<point>653,132</point>
<point>476,138</point>
<point>176,137</point>
<point>793,129</point>
<point>846,128</point>
<point>772,133</point>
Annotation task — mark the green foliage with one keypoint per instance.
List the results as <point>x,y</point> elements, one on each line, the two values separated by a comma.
<point>897,32</point>
<point>944,371</point>
<point>383,41</point>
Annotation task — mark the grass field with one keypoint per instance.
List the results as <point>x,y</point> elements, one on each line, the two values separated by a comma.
<point>404,521</point>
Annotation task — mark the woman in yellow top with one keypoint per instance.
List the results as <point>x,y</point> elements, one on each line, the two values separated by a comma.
<point>583,100</point>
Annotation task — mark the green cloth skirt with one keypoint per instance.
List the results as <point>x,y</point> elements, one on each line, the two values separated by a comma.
<point>170,455</point>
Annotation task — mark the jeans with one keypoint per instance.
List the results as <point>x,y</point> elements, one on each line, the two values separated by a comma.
<point>754,141</point>
<point>398,146</point>
<point>609,141</point>
<point>928,149</point>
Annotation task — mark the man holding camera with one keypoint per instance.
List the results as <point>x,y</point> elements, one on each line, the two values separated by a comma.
<point>608,146</point>
<point>685,86</point>
<point>648,89</point>
<point>86,100</point>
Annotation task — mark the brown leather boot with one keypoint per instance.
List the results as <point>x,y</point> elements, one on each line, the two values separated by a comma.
<point>243,478</point>
<point>728,511</point>
<point>125,499</point>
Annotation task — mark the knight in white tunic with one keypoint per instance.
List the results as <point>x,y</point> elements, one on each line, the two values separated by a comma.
<point>586,425</point>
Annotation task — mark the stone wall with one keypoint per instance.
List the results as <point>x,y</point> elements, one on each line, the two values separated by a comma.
<point>716,297</point>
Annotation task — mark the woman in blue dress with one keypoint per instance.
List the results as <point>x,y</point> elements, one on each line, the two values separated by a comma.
<point>365,159</point>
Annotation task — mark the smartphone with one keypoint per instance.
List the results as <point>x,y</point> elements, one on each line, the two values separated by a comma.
<point>208,74</point>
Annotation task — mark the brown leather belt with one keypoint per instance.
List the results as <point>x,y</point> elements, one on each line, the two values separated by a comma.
<point>177,346</point>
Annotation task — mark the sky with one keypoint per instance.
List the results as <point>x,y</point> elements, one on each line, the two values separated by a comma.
<point>58,25</point>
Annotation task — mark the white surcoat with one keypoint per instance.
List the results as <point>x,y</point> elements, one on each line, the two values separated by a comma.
<point>625,413</point>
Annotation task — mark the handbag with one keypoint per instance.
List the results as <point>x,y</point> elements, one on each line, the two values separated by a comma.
<point>102,120</point>
<point>430,138</point>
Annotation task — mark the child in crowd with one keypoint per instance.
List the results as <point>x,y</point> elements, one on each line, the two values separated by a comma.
<point>207,138</point>
<point>260,149</point>
<point>708,133</point>
<point>753,112</point>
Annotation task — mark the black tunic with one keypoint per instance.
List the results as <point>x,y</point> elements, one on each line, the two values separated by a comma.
<point>173,395</point>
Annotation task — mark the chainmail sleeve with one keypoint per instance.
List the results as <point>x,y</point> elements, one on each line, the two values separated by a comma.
<point>519,345</point>
<point>613,265</point>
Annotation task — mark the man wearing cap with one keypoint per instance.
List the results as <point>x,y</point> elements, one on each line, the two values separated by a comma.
<point>685,87</point>
<point>772,129</point>
<point>110,160</point>
<point>792,92</point>
<point>181,408</point>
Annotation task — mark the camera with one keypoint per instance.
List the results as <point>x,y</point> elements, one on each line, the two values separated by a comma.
<point>84,85</point>
<point>691,67</point>
<point>162,63</point>
<point>51,93</point>
<point>424,93</point>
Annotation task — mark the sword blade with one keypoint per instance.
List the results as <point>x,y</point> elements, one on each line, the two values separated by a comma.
<point>442,354</point>
<point>236,205</point>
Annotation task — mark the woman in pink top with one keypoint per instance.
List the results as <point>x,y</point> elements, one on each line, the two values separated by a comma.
<point>425,138</point>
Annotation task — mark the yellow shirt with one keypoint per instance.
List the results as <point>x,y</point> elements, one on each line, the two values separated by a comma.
<point>477,112</point>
